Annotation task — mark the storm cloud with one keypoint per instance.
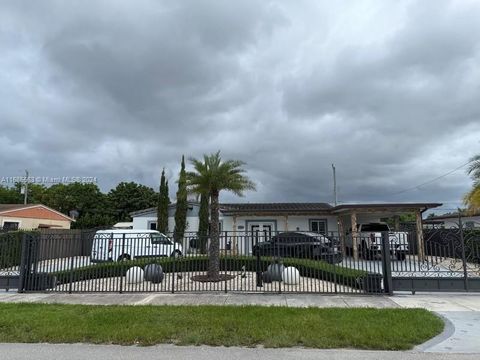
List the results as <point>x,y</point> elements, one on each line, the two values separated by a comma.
<point>388,91</point>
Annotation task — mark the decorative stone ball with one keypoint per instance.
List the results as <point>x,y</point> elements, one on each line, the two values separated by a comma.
<point>291,275</point>
<point>154,273</point>
<point>267,277</point>
<point>134,275</point>
<point>276,271</point>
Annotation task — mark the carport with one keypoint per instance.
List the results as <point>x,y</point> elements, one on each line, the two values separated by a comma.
<point>349,215</point>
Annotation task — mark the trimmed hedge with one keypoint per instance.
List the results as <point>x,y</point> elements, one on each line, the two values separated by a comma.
<point>308,268</point>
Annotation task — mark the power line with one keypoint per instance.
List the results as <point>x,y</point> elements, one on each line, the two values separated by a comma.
<point>432,180</point>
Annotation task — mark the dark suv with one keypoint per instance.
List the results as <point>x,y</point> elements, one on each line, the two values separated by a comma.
<point>300,245</point>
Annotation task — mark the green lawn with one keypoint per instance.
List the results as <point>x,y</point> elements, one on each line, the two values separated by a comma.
<point>387,329</point>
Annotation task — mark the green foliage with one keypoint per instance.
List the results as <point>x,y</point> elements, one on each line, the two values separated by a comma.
<point>93,220</point>
<point>181,205</point>
<point>309,268</point>
<point>162,207</point>
<point>129,197</point>
<point>472,198</point>
<point>10,195</point>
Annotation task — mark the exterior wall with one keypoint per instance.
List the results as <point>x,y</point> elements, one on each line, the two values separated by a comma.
<point>242,223</point>
<point>142,222</point>
<point>28,223</point>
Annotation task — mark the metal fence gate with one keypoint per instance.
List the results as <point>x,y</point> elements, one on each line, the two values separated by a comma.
<point>256,261</point>
<point>450,261</point>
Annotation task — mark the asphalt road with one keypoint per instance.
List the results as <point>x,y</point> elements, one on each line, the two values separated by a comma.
<point>93,352</point>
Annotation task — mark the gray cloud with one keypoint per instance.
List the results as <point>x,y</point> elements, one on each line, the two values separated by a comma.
<point>386,90</point>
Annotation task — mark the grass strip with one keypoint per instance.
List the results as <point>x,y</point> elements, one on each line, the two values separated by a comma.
<point>360,328</point>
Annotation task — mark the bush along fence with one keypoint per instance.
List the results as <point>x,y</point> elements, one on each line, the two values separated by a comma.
<point>273,262</point>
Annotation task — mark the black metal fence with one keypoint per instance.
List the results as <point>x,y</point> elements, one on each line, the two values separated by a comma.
<point>266,262</point>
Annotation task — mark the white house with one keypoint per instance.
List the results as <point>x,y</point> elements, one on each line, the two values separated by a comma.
<point>240,219</point>
<point>452,221</point>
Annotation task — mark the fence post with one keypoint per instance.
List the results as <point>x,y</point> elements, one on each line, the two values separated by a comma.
<point>386,264</point>
<point>23,265</point>
<point>258,266</point>
<point>226,260</point>
<point>464,258</point>
<point>174,271</point>
<point>71,274</point>
<point>123,252</point>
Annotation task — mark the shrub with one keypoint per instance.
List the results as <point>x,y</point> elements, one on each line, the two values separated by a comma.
<point>308,268</point>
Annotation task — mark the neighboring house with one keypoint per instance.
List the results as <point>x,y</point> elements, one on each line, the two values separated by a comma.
<point>32,216</point>
<point>271,217</point>
<point>451,221</point>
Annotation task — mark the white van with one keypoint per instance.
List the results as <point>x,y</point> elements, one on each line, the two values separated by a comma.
<point>118,245</point>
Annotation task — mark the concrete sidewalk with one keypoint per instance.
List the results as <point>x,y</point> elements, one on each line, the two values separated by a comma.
<point>434,302</point>
<point>460,311</point>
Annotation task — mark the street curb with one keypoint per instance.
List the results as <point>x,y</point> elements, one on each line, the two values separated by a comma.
<point>447,332</point>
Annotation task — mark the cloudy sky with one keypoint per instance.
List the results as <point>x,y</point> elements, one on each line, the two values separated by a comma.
<point>389,91</point>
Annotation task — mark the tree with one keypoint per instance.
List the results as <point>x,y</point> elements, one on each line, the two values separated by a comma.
<point>181,207</point>
<point>211,176</point>
<point>129,197</point>
<point>162,208</point>
<point>203,222</point>
<point>85,198</point>
<point>472,198</point>
<point>10,195</point>
<point>92,205</point>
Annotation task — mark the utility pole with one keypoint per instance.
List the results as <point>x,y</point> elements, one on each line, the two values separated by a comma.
<point>25,196</point>
<point>334,185</point>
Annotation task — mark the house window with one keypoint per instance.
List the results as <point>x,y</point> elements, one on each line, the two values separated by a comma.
<point>11,225</point>
<point>318,225</point>
<point>152,225</point>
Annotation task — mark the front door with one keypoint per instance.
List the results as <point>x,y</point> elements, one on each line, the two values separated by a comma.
<point>259,232</point>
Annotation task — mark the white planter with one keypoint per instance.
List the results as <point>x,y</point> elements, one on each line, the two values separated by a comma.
<point>291,275</point>
<point>134,275</point>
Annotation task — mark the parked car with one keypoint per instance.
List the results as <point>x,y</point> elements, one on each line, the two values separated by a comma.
<point>300,244</point>
<point>117,245</point>
<point>369,241</point>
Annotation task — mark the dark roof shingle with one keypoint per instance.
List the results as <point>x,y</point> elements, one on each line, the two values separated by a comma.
<point>274,207</point>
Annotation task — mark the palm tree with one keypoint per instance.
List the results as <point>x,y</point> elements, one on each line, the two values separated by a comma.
<point>474,168</point>
<point>472,199</point>
<point>211,176</point>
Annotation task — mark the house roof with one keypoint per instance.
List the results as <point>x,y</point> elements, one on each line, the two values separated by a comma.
<point>9,207</point>
<point>453,215</point>
<point>29,211</point>
<point>275,208</point>
<point>295,208</point>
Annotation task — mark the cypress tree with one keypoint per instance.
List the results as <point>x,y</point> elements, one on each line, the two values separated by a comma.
<point>203,222</point>
<point>181,206</point>
<point>162,208</point>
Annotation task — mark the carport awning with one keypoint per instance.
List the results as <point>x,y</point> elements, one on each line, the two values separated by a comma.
<point>384,208</point>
